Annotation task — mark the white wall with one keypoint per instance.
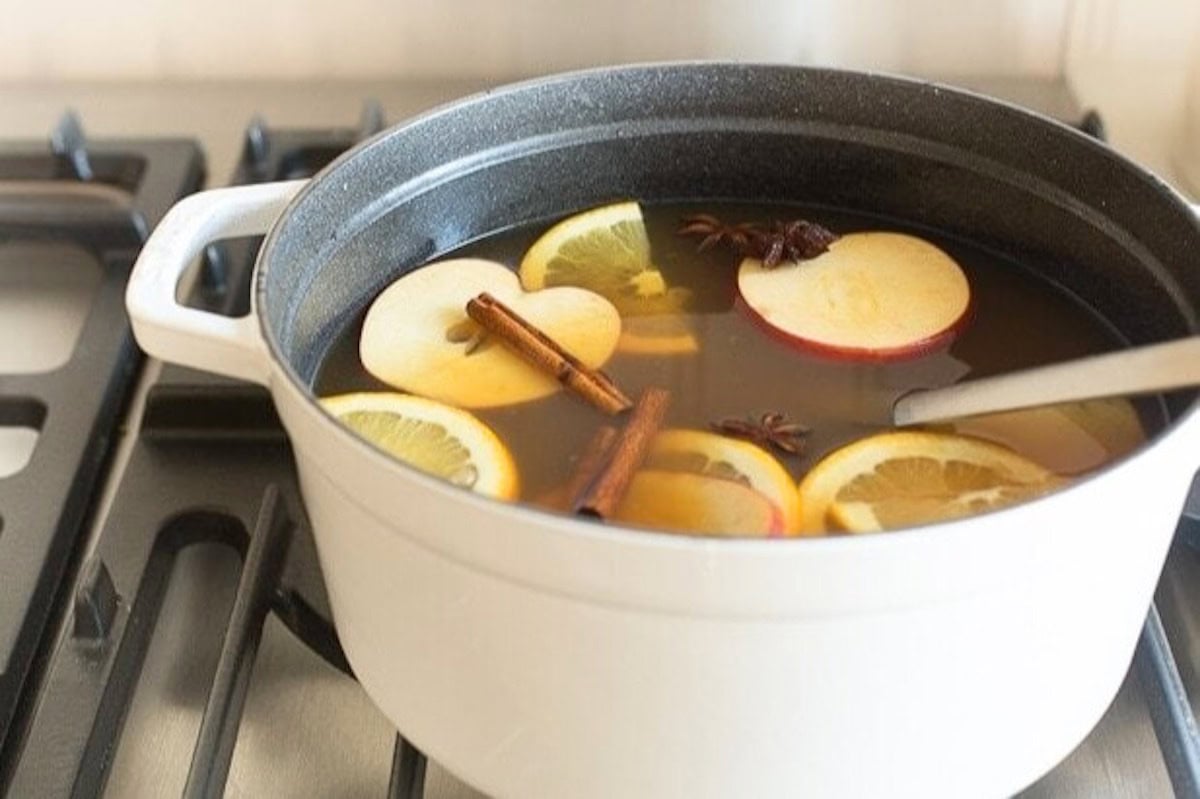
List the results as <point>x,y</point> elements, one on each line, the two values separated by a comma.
<point>1150,33</point>
<point>935,37</point>
<point>123,39</point>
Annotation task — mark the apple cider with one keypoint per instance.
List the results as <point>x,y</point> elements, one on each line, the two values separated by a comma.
<point>780,376</point>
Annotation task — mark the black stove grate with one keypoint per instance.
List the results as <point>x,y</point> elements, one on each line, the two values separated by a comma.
<point>204,442</point>
<point>1175,724</point>
<point>92,214</point>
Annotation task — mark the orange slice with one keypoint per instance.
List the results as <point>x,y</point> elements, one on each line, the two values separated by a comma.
<point>659,334</point>
<point>711,455</point>
<point>905,479</point>
<point>692,503</point>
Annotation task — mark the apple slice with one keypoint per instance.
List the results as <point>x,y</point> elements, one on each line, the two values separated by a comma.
<point>692,503</point>
<point>417,336</point>
<point>712,455</point>
<point>1068,439</point>
<point>873,296</point>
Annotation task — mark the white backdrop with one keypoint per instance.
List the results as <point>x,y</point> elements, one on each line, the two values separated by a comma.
<point>123,39</point>
<point>1128,57</point>
<point>152,39</point>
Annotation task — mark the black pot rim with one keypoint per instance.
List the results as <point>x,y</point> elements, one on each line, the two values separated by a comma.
<point>330,173</point>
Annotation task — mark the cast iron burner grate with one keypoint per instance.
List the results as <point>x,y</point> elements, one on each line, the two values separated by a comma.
<point>211,464</point>
<point>74,205</point>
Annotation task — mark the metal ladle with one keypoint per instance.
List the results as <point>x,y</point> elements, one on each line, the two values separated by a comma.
<point>1139,370</point>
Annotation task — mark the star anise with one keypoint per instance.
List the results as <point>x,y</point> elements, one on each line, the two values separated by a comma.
<point>771,430</point>
<point>716,232</point>
<point>796,240</point>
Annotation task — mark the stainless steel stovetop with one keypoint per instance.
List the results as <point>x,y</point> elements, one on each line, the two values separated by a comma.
<point>101,716</point>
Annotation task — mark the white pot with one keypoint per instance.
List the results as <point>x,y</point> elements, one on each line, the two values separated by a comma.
<point>537,655</point>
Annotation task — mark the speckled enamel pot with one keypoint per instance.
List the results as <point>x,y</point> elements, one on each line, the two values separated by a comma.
<point>540,656</point>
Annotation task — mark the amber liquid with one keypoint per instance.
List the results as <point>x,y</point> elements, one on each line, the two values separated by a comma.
<point>1018,321</point>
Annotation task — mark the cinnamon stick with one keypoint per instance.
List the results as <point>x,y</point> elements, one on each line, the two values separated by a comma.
<point>604,494</point>
<point>562,497</point>
<point>541,351</point>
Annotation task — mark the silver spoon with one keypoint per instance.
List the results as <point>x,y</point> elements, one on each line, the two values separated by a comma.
<point>1139,370</point>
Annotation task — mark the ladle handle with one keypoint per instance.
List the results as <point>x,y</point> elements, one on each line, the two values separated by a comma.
<point>1142,370</point>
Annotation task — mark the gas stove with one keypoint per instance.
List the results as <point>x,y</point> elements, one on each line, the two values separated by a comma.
<point>163,624</point>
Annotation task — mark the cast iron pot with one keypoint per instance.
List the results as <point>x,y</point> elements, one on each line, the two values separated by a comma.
<point>537,655</point>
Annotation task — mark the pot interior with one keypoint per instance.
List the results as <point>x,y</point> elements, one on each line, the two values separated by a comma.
<point>1036,191</point>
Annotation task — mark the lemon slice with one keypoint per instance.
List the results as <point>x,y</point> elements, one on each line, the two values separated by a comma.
<point>435,438</point>
<point>904,479</point>
<point>605,250</point>
<point>711,455</point>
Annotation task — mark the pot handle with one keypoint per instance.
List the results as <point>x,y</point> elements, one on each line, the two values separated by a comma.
<point>165,329</point>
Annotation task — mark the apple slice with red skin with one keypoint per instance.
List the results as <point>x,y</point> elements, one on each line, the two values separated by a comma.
<point>691,503</point>
<point>874,296</point>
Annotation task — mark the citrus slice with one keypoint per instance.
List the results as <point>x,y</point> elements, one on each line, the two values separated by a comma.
<point>712,455</point>
<point>692,503</point>
<point>605,250</point>
<point>417,337</point>
<point>660,334</point>
<point>904,479</point>
<point>435,438</point>
<point>872,296</point>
